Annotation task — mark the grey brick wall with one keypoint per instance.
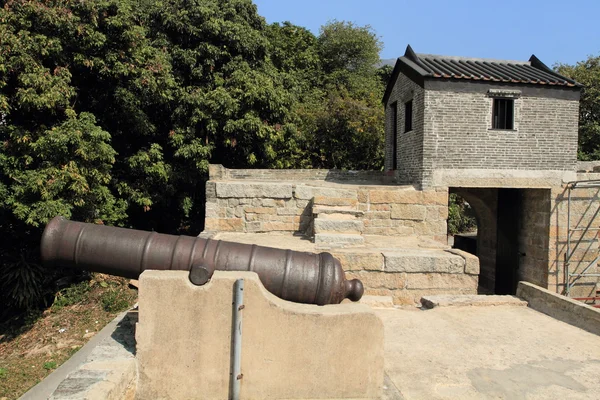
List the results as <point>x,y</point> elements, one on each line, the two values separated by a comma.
<point>410,144</point>
<point>452,129</point>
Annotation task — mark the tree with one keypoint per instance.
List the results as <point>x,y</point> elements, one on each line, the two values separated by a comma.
<point>588,73</point>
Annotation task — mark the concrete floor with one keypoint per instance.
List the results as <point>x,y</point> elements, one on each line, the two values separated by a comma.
<point>501,352</point>
<point>471,352</point>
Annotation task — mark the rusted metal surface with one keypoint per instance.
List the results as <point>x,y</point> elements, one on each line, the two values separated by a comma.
<point>292,275</point>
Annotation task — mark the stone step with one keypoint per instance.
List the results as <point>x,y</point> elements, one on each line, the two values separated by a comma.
<point>337,240</point>
<point>332,210</point>
<point>323,225</point>
<point>335,201</point>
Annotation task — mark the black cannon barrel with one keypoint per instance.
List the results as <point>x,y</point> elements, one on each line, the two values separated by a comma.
<point>292,275</point>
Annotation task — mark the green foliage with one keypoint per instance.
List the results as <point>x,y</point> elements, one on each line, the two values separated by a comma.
<point>49,365</point>
<point>71,295</point>
<point>111,111</point>
<point>115,300</point>
<point>588,73</point>
<point>3,373</point>
<point>461,217</point>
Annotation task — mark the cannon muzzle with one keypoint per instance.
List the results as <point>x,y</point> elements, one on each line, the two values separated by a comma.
<point>292,275</point>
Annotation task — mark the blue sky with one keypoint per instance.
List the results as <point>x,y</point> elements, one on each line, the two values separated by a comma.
<point>555,31</point>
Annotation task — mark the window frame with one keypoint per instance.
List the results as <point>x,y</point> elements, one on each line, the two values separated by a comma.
<point>503,107</point>
<point>408,122</point>
<point>394,135</point>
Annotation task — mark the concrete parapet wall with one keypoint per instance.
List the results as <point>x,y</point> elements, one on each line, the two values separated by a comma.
<point>289,350</point>
<point>560,307</point>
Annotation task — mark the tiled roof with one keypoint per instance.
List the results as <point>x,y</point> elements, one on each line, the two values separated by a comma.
<point>429,66</point>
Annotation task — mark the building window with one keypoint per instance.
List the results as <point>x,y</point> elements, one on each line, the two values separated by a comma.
<point>395,136</point>
<point>408,116</point>
<point>503,114</point>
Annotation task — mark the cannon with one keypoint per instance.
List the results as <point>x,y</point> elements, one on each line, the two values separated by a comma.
<point>291,275</point>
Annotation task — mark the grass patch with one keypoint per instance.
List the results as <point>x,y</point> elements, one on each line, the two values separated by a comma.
<point>50,365</point>
<point>71,295</point>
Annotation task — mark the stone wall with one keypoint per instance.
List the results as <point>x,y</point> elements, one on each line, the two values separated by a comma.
<point>410,144</point>
<point>534,236</point>
<point>286,207</point>
<point>408,274</point>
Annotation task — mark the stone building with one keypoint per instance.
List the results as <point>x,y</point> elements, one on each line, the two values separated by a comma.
<point>501,134</point>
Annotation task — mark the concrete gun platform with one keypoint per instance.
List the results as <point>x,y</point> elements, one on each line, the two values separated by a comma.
<point>482,352</point>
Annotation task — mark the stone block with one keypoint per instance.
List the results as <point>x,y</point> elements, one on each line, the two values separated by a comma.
<point>360,261</point>
<point>431,197</point>
<point>379,280</point>
<point>303,192</point>
<point>334,201</point>
<point>441,281</point>
<point>323,225</point>
<point>404,196</point>
<point>413,212</point>
<point>254,190</point>
<point>289,350</point>
<point>260,210</point>
<point>224,224</point>
<point>471,261</point>
<point>420,261</point>
<point>338,240</point>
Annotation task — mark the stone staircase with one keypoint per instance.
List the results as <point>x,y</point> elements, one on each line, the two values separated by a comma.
<point>337,225</point>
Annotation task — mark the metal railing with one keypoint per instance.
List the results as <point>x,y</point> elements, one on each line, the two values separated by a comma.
<point>574,274</point>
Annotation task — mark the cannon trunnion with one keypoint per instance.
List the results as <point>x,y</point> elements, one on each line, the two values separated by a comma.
<point>291,275</point>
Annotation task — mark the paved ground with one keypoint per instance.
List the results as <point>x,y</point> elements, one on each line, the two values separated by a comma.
<point>501,352</point>
<point>472,352</point>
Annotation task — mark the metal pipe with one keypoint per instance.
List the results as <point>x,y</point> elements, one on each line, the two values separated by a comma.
<point>236,342</point>
<point>567,253</point>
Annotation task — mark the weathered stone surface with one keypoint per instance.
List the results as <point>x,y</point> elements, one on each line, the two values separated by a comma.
<point>335,201</point>
<point>378,280</point>
<point>449,300</point>
<point>254,190</point>
<point>435,198</point>
<point>441,281</point>
<point>184,343</point>
<point>360,261</point>
<point>338,226</point>
<point>416,261</point>
<point>405,196</point>
<point>471,261</point>
<point>317,210</point>
<point>260,210</point>
<point>338,240</point>
<point>224,224</point>
<point>377,301</point>
<point>303,192</point>
<point>408,211</point>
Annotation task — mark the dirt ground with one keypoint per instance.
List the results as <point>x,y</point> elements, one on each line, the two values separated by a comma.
<point>31,351</point>
<point>501,352</point>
